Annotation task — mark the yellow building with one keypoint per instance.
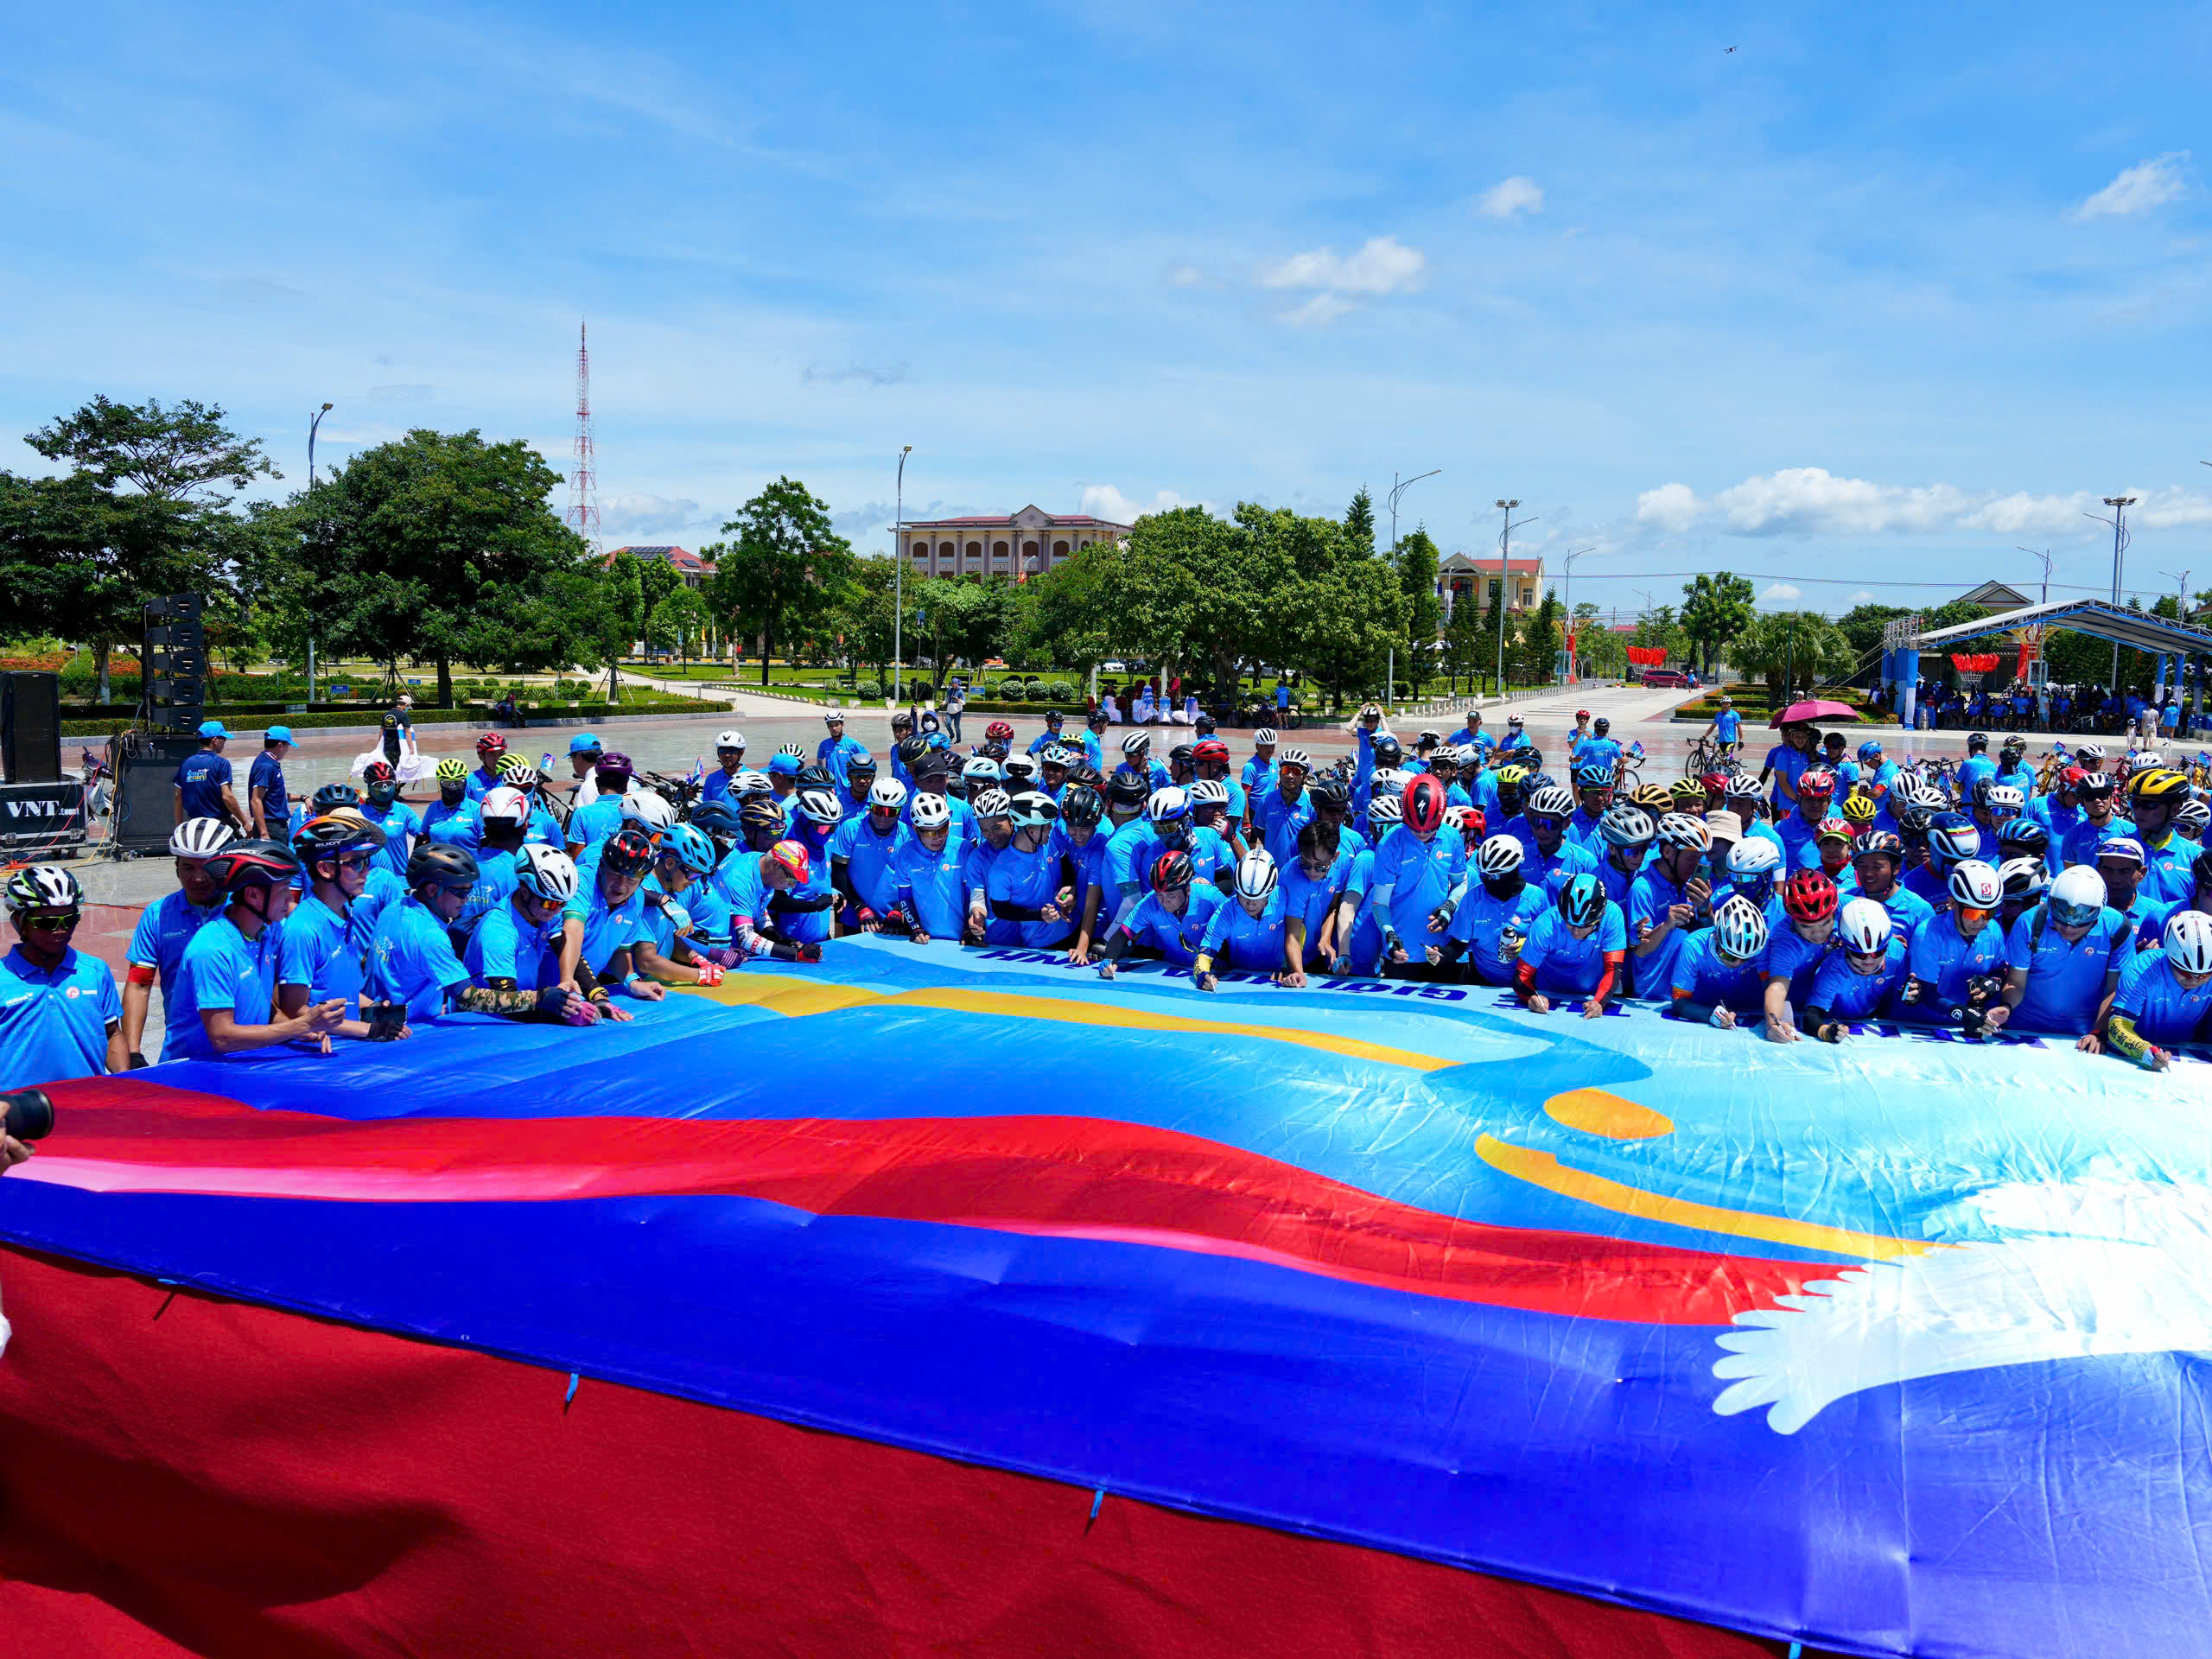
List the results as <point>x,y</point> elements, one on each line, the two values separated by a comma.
<point>1027,543</point>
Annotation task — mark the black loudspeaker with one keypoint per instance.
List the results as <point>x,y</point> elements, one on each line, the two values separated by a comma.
<point>30,727</point>
<point>174,663</point>
<point>145,789</point>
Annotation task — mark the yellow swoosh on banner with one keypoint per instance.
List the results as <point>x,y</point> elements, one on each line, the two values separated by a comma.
<point>1544,1169</point>
<point>789,995</point>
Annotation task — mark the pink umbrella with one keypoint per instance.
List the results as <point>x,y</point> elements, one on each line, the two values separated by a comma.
<point>1814,709</point>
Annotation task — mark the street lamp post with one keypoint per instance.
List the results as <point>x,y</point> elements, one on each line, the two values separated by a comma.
<point>1398,489</point>
<point>1571,558</point>
<point>2119,504</point>
<point>898,583</point>
<point>1504,590</point>
<point>312,425</point>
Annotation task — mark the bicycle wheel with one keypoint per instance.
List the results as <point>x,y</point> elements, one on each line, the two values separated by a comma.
<point>1624,785</point>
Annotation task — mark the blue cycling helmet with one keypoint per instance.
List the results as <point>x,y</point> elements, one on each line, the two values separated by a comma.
<point>584,743</point>
<point>937,740</point>
<point>785,765</point>
<point>689,847</point>
<point>1593,776</point>
<point>1582,901</point>
<point>1870,750</point>
<point>1954,837</point>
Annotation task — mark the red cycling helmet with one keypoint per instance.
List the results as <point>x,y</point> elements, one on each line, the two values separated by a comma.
<point>1582,713</point>
<point>1475,825</point>
<point>379,771</point>
<point>998,731</point>
<point>1211,748</point>
<point>491,743</point>
<point>1818,781</point>
<point>1423,803</point>
<point>1810,896</point>
<point>1171,870</point>
<point>790,857</point>
<point>1716,783</point>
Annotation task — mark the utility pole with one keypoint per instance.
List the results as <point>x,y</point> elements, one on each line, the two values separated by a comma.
<point>2037,631</point>
<point>1398,489</point>
<point>1504,588</point>
<point>1571,558</point>
<point>899,582</point>
<point>2119,504</point>
<point>312,425</point>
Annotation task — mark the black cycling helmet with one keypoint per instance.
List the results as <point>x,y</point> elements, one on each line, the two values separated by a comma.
<point>323,837</point>
<point>433,864</point>
<point>1182,756</point>
<point>1081,805</point>
<point>1388,751</point>
<point>1977,741</point>
<point>2015,745</point>
<point>245,864</point>
<point>858,767</point>
<point>1328,789</point>
<point>1601,725</point>
<point>628,851</point>
<point>814,778</point>
<point>331,797</point>
<point>1084,775</point>
<point>719,819</point>
<point>1129,787</point>
<point>1529,760</point>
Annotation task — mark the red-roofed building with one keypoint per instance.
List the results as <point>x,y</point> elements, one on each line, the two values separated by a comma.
<point>1464,577</point>
<point>688,564</point>
<point>1027,543</point>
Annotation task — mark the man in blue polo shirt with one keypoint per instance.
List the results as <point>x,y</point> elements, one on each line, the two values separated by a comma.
<point>203,781</point>
<point>155,955</point>
<point>265,792</point>
<point>229,981</point>
<point>59,1015</point>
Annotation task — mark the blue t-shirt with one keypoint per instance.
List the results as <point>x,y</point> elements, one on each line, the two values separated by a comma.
<point>2066,983</point>
<point>1279,822</point>
<point>1727,725</point>
<point>54,1026</point>
<point>1946,961</point>
<point>2080,843</point>
<point>1701,977</point>
<point>595,820</point>
<point>223,968</point>
<point>1236,938</point>
<point>411,960</point>
<point>1785,762</point>
<point>1565,963</point>
<point>934,884</point>
<point>322,950</point>
<point>165,928</point>
<point>1482,920</point>
<point>400,826</point>
<point>508,945</point>
<point>2153,999</point>
<point>459,826</point>
<point>1975,769</point>
<point>268,774</point>
<point>2167,876</point>
<point>1308,899</point>
<point>1597,752</point>
<point>1791,955</point>
<point>608,928</point>
<point>201,780</point>
<point>1030,882</point>
<point>871,860</point>
<point>1421,875</point>
<point>1176,938</point>
<point>1650,896</point>
<point>482,783</point>
<point>1848,995</point>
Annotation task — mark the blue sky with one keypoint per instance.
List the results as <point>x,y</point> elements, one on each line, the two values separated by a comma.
<point>1879,296</point>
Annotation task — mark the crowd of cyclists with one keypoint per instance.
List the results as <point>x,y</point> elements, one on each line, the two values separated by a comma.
<point>1825,895</point>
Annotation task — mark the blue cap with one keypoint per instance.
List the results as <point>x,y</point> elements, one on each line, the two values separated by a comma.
<point>583,743</point>
<point>213,728</point>
<point>784,766</point>
<point>278,735</point>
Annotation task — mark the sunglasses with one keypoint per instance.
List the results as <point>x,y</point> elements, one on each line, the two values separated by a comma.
<point>48,923</point>
<point>355,861</point>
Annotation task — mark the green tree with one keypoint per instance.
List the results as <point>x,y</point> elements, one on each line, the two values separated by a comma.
<point>1070,624</point>
<point>1359,524</point>
<point>1189,585</point>
<point>1466,639</point>
<point>1862,625</point>
<point>865,617</point>
<point>1338,612</point>
<point>1417,580</point>
<point>1541,641</point>
<point>438,545</point>
<point>786,571</point>
<point>657,581</point>
<point>1793,652</point>
<point>1598,651</point>
<point>683,619</point>
<point>1716,607</point>
<point>1658,627</point>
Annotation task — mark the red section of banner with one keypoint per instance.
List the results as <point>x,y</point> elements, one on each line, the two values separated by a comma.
<point>1973,662</point>
<point>1059,1177</point>
<point>180,1474</point>
<point>1646,655</point>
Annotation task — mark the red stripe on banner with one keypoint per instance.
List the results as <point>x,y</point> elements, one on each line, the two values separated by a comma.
<point>182,1474</point>
<point>1067,1177</point>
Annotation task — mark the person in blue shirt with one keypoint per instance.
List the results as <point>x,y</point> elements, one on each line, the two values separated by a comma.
<point>1083,840</point>
<point>864,857</point>
<point>932,893</point>
<point>594,820</point>
<point>1977,767</point>
<point>993,810</point>
<point>1094,749</point>
<point>2151,930</point>
<point>1419,874</point>
<point>829,753</point>
<point>453,820</point>
<point>155,955</point>
<point>1050,738</point>
<point>1796,950</point>
<point>2168,855</point>
<point>2063,961</point>
<point>1957,957</point>
<point>1213,856</point>
<point>1250,929</point>
<point>1726,728</point>
<point>685,937</point>
<point>267,797</point>
<point>1312,889</point>
<point>729,761</point>
<point>1786,762</point>
<point>1261,768</point>
<point>1491,922</point>
<point>1721,973</point>
<point>1576,946</point>
<point>2120,862</point>
<point>605,918</point>
<point>1670,898</point>
<point>1030,883</point>
<point>1798,830</point>
<point>229,978</point>
<point>1541,830</point>
<point>384,808</point>
<point>1593,798</point>
<point>1859,977</point>
<point>1172,918</point>
<point>854,779</point>
<point>1600,748</point>
<point>2164,994</point>
<point>517,948</point>
<point>324,944</point>
<point>203,782</point>
<point>59,1015</point>
<point>1876,858</point>
<point>490,755</point>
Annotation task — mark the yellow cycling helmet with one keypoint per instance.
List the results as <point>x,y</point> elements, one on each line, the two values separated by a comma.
<point>1512,774</point>
<point>2159,784</point>
<point>1688,789</point>
<point>1653,798</point>
<point>1860,809</point>
<point>451,772</point>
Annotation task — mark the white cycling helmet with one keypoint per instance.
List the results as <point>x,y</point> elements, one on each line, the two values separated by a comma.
<point>2077,895</point>
<point>1389,781</point>
<point>1265,737</point>
<point>1256,874</point>
<point>1387,809</point>
<point>1976,886</point>
<point>1296,757</point>
<point>1552,801</point>
<point>1626,826</point>
<point>991,803</point>
<point>750,782</point>
<point>2191,819</point>
<point>1754,855</point>
<point>2023,878</point>
<point>1739,929</point>
<point>2006,795</point>
<point>821,805</point>
<point>548,873</point>
<point>643,807</point>
<point>1865,926</point>
<point>887,792</point>
<point>200,838</point>
<point>1210,791</point>
<point>505,805</point>
<point>2189,942</point>
<point>981,770</point>
<point>792,750</point>
<point>1499,855</point>
<point>729,740</point>
<point>930,811</point>
<point>1168,804</point>
<point>43,886</point>
<point>1021,767</point>
<point>1135,743</point>
<point>1681,829</point>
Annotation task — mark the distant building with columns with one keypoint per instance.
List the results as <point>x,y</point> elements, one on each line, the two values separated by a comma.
<point>1463,576</point>
<point>1028,542</point>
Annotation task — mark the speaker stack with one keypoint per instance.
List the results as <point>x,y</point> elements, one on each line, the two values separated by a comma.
<point>174,663</point>
<point>41,812</point>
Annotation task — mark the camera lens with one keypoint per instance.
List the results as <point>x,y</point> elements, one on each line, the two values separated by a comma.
<point>28,1114</point>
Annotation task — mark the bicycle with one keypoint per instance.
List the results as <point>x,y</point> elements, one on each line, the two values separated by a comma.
<point>1707,755</point>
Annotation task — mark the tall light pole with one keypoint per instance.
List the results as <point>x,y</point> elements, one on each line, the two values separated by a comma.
<point>1504,588</point>
<point>1398,489</point>
<point>2119,504</point>
<point>2045,556</point>
<point>312,424</point>
<point>899,582</point>
<point>1571,558</point>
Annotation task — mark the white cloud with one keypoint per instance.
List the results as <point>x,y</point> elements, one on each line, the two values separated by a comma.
<point>1320,309</point>
<point>1864,596</point>
<point>639,518</point>
<point>1780,593</point>
<point>1802,500</point>
<point>1510,199</point>
<point>1104,502</point>
<point>1187,275</point>
<point>2138,188</point>
<point>1384,265</point>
